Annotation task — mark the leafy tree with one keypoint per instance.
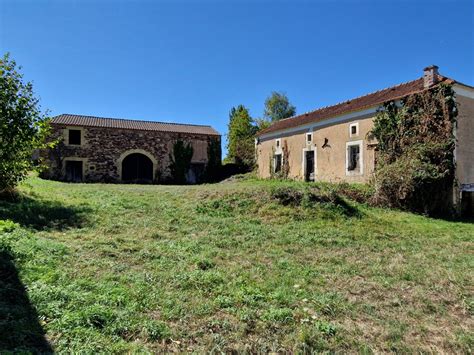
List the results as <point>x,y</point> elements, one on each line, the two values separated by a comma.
<point>180,161</point>
<point>241,144</point>
<point>262,123</point>
<point>277,107</point>
<point>23,127</point>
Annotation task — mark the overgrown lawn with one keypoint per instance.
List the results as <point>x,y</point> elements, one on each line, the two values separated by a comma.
<point>245,265</point>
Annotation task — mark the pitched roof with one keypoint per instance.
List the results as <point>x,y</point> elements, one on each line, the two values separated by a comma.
<point>92,121</point>
<point>359,103</point>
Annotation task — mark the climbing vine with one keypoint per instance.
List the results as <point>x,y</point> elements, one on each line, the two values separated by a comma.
<point>180,161</point>
<point>271,165</point>
<point>285,163</point>
<point>415,152</point>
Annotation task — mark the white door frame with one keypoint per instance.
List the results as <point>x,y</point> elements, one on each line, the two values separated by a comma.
<point>303,163</point>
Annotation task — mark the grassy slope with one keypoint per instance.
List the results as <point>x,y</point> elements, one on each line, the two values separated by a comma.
<point>126,267</point>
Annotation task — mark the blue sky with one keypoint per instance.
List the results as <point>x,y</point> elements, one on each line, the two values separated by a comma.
<point>191,61</point>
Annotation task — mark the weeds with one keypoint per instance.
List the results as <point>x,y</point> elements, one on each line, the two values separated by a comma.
<point>246,265</point>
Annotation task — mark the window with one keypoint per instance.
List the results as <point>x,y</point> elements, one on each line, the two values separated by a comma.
<point>354,129</point>
<point>309,138</point>
<point>75,136</point>
<point>277,161</point>
<point>354,158</point>
<point>354,151</point>
<point>278,143</point>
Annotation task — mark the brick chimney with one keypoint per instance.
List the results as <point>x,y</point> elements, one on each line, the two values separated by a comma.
<point>430,76</point>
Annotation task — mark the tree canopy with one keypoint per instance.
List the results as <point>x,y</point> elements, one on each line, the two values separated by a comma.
<point>23,126</point>
<point>241,145</point>
<point>277,107</point>
<point>242,128</point>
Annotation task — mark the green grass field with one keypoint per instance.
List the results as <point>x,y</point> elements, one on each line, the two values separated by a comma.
<point>245,265</point>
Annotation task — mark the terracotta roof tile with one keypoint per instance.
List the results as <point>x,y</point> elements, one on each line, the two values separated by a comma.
<point>356,104</point>
<point>92,121</point>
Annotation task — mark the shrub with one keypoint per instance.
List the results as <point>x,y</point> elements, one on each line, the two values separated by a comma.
<point>327,199</point>
<point>287,195</point>
<point>360,193</point>
<point>23,128</point>
<point>415,159</point>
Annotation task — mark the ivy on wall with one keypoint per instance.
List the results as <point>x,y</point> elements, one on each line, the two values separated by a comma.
<point>415,152</point>
<point>271,164</point>
<point>180,160</point>
<point>285,163</point>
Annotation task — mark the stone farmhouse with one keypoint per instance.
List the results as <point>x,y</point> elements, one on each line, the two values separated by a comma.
<point>332,143</point>
<point>95,149</point>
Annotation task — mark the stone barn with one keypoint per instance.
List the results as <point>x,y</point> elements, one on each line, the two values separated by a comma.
<point>95,149</point>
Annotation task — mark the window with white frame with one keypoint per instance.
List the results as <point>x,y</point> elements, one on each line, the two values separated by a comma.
<point>354,129</point>
<point>309,138</point>
<point>354,158</point>
<point>354,152</point>
<point>278,143</point>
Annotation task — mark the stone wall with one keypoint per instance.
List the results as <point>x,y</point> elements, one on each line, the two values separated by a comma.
<point>103,149</point>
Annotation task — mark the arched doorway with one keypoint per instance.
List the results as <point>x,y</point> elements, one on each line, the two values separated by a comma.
<point>138,168</point>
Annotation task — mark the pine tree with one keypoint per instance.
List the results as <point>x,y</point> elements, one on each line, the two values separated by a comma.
<point>241,145</point>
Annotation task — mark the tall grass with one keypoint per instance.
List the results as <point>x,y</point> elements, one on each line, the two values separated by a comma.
<point>239,266</point>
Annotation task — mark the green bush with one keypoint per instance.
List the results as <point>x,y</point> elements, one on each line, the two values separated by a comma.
<point>415,158</point>
<point>23,127</point>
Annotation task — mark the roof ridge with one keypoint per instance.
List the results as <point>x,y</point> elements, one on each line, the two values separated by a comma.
<point>394,92</point>
<point>133,120</point>
<point>355,98</point>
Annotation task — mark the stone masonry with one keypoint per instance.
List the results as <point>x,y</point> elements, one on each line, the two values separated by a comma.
<point>103,149</point>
